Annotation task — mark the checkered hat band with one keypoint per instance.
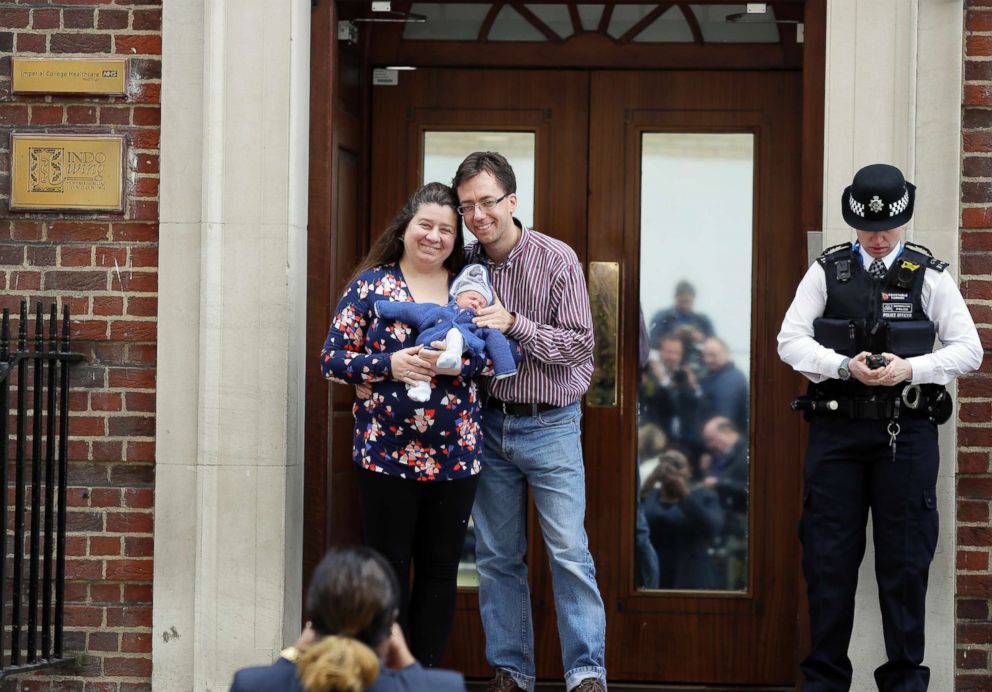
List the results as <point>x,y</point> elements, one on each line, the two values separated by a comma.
<point>875,205</point>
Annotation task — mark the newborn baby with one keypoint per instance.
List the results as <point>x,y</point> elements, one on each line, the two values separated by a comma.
<point>452,324</point>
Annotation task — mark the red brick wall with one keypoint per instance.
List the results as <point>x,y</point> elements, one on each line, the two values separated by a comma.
<point>105,268</point>
<point>974,473</point>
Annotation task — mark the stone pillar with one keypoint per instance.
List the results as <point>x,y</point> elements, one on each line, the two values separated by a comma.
<point>893,84</point>
<point>229,468</point>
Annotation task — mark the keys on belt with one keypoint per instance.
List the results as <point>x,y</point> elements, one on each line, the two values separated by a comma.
<point>511,408</point>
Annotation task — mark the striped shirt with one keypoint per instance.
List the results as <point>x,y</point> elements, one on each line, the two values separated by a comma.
<point>541,282</point>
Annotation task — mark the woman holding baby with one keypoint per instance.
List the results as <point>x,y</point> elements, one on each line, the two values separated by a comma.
<point>418,460</point>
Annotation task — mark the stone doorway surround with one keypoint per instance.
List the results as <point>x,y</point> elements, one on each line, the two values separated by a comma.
<point>232,303</point>
<point>228,511</point>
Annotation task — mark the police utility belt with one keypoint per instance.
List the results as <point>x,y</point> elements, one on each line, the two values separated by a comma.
<point>913,400</point>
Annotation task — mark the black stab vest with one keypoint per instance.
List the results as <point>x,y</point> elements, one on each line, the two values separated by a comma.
<point>880,311</point>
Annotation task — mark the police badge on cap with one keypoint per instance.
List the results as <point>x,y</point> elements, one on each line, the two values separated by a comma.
<point>878,199</point>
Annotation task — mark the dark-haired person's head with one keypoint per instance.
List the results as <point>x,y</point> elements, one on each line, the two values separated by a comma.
<point>433,203</point>
<point>354,593</point>
<point>352,603</point>
<point>487,197</point>
<point>490,162</point>
<point>685,295</point>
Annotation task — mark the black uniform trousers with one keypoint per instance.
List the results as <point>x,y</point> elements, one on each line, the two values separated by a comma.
<point>849,469</point>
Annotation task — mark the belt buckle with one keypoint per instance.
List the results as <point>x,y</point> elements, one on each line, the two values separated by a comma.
<point>502,407</point>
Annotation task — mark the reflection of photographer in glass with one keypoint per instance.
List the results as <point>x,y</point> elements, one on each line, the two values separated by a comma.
<point>669,393</point>
<point>727,470</point>
<point>682,314</point>
<point>683,520</point>
<point>650,444</point>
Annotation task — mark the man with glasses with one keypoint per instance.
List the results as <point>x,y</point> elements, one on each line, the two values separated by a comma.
<point>532,436</point>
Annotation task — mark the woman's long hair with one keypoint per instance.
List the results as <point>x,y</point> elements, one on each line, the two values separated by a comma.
<point>388,247</point>
<point>352,603</point>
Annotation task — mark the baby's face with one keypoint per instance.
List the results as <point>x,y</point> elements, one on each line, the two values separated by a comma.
<point>471,299</point>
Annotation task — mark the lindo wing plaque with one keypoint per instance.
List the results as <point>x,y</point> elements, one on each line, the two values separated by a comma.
<point>69,172</point>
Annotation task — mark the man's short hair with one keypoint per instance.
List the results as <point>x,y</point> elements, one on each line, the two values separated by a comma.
<point>683,286</point>
<point>490,162</point>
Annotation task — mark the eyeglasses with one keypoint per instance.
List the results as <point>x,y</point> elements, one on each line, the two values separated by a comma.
<point>486,204</point>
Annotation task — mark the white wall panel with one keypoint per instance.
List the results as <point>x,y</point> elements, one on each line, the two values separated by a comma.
<point>893,94</point>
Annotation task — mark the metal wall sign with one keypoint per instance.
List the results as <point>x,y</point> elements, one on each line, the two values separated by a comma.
<point>106,76</point>
<point>67,172</point>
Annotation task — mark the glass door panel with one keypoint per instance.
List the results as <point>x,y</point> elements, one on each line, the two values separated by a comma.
<point>443,152</point>
<point>693,393</point>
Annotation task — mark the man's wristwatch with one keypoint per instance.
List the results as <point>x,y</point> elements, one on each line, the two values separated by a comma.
<point>843,372</point>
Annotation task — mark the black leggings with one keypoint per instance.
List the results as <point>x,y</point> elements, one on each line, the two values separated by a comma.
<point>423,523</point>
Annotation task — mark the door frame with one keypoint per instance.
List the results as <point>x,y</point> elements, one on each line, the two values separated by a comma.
<point>338,121</point>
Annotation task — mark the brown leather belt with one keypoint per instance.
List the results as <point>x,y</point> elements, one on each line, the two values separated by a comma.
<point>511,408</point>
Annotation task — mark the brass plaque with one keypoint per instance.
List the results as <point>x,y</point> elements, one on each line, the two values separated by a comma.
<point>604,300</point>
<point>69,172</point>
<point>106,76</point>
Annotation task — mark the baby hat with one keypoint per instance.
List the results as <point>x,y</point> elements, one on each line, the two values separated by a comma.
<point>474,277</point>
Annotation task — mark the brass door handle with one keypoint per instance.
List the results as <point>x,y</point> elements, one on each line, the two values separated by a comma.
<point>604,300</point>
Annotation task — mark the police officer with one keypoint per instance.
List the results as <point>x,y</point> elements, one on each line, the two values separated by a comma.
<point>861,328</point>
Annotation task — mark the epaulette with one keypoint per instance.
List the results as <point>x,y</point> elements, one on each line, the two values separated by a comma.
<point>833,250</point>
<point>926,256</point>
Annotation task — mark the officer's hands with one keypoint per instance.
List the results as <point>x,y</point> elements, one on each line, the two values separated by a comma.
<point>495,316</point>
<point>860,370</point>
<point>897,371</point>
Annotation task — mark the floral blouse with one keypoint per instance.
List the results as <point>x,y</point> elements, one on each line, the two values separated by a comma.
<point>440,439</point>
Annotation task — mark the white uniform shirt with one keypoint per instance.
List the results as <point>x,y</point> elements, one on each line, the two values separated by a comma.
<point>942,303</point>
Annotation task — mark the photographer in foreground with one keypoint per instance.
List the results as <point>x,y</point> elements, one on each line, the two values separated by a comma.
<point>352,643</point>
<point>873,430</point>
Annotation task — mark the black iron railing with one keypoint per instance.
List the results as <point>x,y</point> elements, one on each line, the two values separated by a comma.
<point>39,516</point>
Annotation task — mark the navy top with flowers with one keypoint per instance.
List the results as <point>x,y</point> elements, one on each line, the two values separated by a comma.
<point>440,439</point>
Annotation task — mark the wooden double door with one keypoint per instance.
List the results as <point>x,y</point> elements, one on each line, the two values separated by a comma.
<point>654,178</point>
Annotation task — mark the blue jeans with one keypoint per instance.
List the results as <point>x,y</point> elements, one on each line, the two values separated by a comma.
<point>544,452</point>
